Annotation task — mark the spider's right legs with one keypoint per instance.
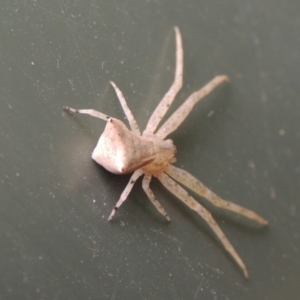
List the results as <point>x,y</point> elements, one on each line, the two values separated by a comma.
<point>91,112</point>
<point>167,100</point>
<point>198,187</point>
<point>182,112</point>
<point>145,185</point>
<point>124,195</point>
<point>183,195</point>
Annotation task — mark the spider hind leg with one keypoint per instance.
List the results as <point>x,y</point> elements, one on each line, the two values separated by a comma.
<point>187,199</point>
<point>151,196</point>
<point>126,192</point>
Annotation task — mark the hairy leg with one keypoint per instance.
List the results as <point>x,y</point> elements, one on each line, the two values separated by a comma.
<point>182,112</point>
<point>126,192</point>
<point>183,195</point>
<point>146,187</point>
<point>91,112</point>
<point>132,122</point>
<point>195,185</point>
<point>167,100</point>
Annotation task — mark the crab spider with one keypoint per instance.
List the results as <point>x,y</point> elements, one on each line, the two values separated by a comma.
<point>121,151</point>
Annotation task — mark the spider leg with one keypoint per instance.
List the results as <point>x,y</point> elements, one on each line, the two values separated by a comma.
<point>195,185</point>
<point>132,122</point>
<point>145,185</point>
<point>182,194</point>
<point>91,112</point>
<point>182,112</point>
<point>127,190</point>
<point>167,100</point>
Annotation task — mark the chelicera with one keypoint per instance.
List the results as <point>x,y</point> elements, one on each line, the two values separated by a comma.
<point>121,151</point>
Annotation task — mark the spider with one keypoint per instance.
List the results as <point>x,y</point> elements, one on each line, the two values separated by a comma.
<point>121,151</point>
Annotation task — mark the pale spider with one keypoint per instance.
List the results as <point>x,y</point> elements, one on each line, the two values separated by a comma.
<point>122,151</point>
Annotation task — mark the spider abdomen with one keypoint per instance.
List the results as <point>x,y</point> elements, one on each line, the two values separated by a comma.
<point>121,151</point>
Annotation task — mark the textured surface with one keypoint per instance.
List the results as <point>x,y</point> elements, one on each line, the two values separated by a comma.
<point>242,142</point>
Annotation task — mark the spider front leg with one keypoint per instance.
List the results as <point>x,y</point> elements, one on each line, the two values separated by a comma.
<point>132,122</point>
<point>167,100</point>
<point>146,187</point>
<point>91,112</point>
<point>187,199</point>
<point>182,112</point>
<point>126,191</point>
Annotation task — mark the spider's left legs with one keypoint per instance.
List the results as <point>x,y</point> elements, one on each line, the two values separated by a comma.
<point>182,112</point>
<point>183,195</point>
<point>124,195</point>
<point>132,122</point>
<point>91,112</point>
<point>198,187</point>
<point>146,187</point>
<point>167,100</point>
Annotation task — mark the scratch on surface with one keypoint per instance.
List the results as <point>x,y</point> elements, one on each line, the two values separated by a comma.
<point>199,289</point>
<point>67,21</point>
<point>113,296</point>
<point>172,238</point>
<point>36,82</point>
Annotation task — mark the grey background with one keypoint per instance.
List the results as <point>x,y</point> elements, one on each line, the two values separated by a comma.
<point>242,141</point>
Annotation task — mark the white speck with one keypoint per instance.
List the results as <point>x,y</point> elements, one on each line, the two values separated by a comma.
<point>281,132</point>
<point>32,63</point>
<point>210,113</point>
